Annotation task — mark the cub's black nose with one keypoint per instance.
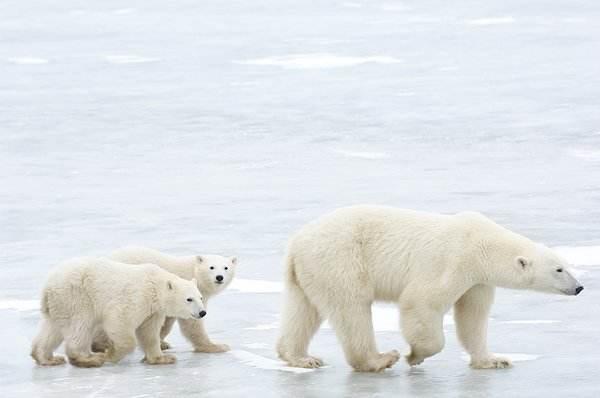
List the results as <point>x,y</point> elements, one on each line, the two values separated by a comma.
<point>578,290</point>
<point>202,314</point>
<point>220,278</point>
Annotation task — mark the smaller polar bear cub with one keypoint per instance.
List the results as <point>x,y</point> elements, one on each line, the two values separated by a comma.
<point>88,296</point>
<point>213,273</point>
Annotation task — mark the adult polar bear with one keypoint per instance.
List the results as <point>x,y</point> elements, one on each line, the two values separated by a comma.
<point>338,265</point>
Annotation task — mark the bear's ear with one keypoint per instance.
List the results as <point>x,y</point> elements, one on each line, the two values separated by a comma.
<point>200,259</point>
<point>170,285</point>
<point>233,260</point>
<point>522,262</point>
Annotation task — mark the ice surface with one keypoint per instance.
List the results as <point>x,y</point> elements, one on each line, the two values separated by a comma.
<point>223,126</point>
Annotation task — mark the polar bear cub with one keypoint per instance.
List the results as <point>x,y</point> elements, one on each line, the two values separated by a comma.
<point>213,273</point>
<point>87,296</point>
<point>426,263</point>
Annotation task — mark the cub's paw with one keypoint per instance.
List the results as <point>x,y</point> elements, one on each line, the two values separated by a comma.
<point>414,360</point>
<point>164,345</point>
<point>56,360</point>
<point>492,362</point>
<point>212,348</point>
<point>165,359</point>
<point>306,362</point>
<point>381,362</point>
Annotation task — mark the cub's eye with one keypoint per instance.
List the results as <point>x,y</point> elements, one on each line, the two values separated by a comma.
<point>226,268</point>
<point>212,267</point>
<point>559,270</point>
<point>189,300</point>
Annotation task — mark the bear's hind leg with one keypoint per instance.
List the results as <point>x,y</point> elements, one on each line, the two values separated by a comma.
<point>122,337</point>
<point>471,313</point>
<point>78,340</point>
<point>423,330</point>
<point>47,340</point>
<point>300,321</point>
<point>353,325</point>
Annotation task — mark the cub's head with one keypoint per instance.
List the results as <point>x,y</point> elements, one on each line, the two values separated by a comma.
<point>214,272</point>
<point>185,300</point>
<point>544,270</point>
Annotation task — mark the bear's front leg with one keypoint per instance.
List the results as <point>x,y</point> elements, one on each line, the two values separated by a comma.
<point>164,332</point>
<point>193,330</point>
<point>148,335</point>
<point>423,330</point>
<point>471,314</point>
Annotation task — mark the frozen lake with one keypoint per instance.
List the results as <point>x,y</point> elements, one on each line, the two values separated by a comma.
<point>222,126</point>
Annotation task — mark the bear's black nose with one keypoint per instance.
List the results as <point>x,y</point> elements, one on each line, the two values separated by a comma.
<point>578,290</point>
<point>202,314</point>
<point>220,278</point>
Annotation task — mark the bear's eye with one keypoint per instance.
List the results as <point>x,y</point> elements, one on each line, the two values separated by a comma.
<point>226,268</point>
<point>212,267</point>
<point>559,270</point>
<point>189,300</point>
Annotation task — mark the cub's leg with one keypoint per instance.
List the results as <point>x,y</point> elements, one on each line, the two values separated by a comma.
<point>121,334</point>
<point>193,330</point>
<point>353,325</point>
<point>471,313</point>
<point>423,330</point>
<point>148,335</point>
<point>101,343</point>
<point>164,332</point>
<point>300,321</point>
<point>48,339</point>
<point>78,341</point>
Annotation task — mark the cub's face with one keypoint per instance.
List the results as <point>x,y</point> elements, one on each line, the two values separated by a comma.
<point>186,299</point>
<point>214,272</point>
<point>548,272</point>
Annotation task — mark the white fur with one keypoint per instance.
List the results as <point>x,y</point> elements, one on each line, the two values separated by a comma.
<point>205,269</point>
<point>338,265</point>
<point>88,296</point>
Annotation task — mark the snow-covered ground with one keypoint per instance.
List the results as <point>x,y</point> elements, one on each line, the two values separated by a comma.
<point>222,126</point>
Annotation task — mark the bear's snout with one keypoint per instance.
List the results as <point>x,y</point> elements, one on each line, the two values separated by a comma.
<point>219,278</point>
<point>578,290</point>
<point>202,314</point>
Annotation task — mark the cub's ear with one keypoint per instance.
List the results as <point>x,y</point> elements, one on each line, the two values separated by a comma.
<point>170,285</point>
<point>233,260</point>
<point>523,262</point>
<point>200,259</point>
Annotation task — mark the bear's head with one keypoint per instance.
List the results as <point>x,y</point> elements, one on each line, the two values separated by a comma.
<point>541,269</point>
<point>214,272</point>
<point>184,299</point>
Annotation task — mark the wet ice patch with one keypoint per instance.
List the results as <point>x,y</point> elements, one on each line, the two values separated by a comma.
<point>362,155</point>
<point>260,362</point>
<point>513,356</point>
<point>318,61</point>
<point>531,322</point>
<point>265,326</point>
<point>28,61</point>
<point>19,305</point>
<point>257,346</point>
<point>256,286</point>
<point>491,21</point>
<point>580,255</point>
<point>129,59</point>
<point>124,11</point>
<point>586,154</point>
